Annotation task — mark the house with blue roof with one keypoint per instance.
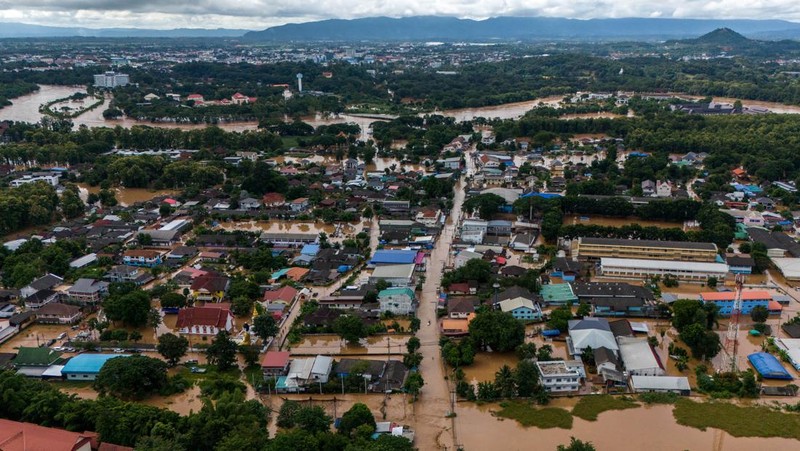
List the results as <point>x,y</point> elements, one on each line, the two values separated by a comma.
<point>86,367</point>
<point>392,257</point>
<point>310,249</point>
<point>400,301</point>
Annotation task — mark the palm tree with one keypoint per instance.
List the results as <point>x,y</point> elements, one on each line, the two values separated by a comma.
<point>504,382</point>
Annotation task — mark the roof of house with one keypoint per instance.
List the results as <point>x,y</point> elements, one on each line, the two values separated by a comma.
<point>45,282</point>
<point>509,305</point>
<point>461,305</point>
<point>605,355</point>
<point>393,271</point>
<point>18,436</point>
<point>621,328</point>
<point>275,359</point>
<point>56,309</point>
<point>211,282</point>
<point>373,368</point>
<point>85,285</point>
<point>660,383</point>
<point>40,295</point>
<point>649,243</point>
<point>740,260</point>
<point>774,240</point>
<point>638,354</point>
<point>203,316</point>
<point>556,292</point>
<point>747,295</point>
<point>138,253</point>
<point>517,292</point>
<point>393,257</point>
<point>29,356</point>
<point>88,363</point>
<point>285,293</point>
<point>397,292</point>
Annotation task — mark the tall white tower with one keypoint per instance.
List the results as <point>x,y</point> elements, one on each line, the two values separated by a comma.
<point>299,82</point>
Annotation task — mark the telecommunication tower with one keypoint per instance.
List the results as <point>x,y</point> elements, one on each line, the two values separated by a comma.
<point>731,339</point>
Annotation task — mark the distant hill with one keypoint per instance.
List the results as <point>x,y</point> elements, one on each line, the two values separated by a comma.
<point>21,30</point>
<point>721,37</point>
<point>432,28</point>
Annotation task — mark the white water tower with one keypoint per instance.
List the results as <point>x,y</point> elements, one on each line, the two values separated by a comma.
<point>299,82</point>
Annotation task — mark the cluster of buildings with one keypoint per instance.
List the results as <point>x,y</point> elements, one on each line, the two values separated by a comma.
<point>300,374</point>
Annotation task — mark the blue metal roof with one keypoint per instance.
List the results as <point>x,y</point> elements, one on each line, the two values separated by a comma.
<point>393,257</point>
<point>542,195</point>
<point>310,249</point>
<point>768,366</point>
<point>88,363</point>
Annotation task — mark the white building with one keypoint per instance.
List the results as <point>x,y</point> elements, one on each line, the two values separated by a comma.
<point>663,188</point>
<point>466,255</point>
<point>631,268</point>
<point>111,79</point>
<point>313,370</point>
<point>639,357</point>
<point>560,376</point>
<point>51,179</point>
<point>661,384</point>
<point>400,301</point>
<point>397,275</point>
<point>590,333</point>
<point>476,225</point>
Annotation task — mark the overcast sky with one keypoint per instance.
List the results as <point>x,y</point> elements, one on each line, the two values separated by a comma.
<point>260,14</point>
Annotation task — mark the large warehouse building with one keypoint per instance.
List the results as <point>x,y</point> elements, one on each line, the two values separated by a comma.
<point>630,268</point>
<point>597,248</point>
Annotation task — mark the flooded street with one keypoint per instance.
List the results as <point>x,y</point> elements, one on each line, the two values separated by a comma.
<point>646,428</point>
<point>513,110</point>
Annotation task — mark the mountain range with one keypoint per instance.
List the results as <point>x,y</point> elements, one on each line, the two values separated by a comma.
<point>434,28</point>
<point>437,28</point>
<point>22,30</point>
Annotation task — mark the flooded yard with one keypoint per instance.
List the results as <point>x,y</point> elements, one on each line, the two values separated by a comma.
<point>126,196</point>
<point>329,344</point>
<point>652,428</point>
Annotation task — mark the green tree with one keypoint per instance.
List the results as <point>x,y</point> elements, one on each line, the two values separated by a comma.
<point>265,326</point>
<point>576,445</point>
<point>583,310</point>
<point>250,354</point>
<point>172,347</point>
<point>759,314</point>
<point>496,330</point>
<point>350,327</point>
<point>526,351</point>
<point>505,382</point>
<point>286,414</point>
<point>358,415</point>
<point>703,343</point>
<point>413,384</point>
<point>487,205</point>
<point>222,351</point>
<point>559,318</point>
<point>242,306</point>
<point>165,210</point>
<point>312,419</point>
<point>131,377</point>
<point>413,344</point>
<point>135,336</point>
<point>173,300</point>
<point>526,377</point>
<point>132,308</point>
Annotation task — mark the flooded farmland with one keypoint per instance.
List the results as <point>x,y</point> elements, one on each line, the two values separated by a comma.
<point>330,344</point>
<point>619,222</point>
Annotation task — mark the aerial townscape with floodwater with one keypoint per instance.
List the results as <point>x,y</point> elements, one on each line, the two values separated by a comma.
<point>399,227</point>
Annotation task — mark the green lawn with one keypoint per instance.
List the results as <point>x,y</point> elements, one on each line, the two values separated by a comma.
<point>589,407</point>
<point>530,415</point>
<point>738,421</point>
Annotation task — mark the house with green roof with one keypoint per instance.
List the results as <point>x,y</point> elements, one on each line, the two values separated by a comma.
<point>558,294</point>
<point>33,362</point>
<point>400,301</point>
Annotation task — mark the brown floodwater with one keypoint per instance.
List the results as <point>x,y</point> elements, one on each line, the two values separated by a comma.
<point>330,344</point>
<point>344,229</point>
<point>618,222</point>
<point>505,111</point>
<point>652,428</point>
<point>126,196</point>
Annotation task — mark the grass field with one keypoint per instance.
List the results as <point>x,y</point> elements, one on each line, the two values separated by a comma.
<point>589,407</point>
<point>530,415</point>
<point>737,420</point>
<point>658,398</point>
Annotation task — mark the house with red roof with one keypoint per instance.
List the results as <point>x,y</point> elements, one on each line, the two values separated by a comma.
<point>197,98</point>
<point>210,287</point>
<point>285,295</point>
<point>275,363</point>
<point>208,320</point>
<point>273,200</point>
<point>15,435</point>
